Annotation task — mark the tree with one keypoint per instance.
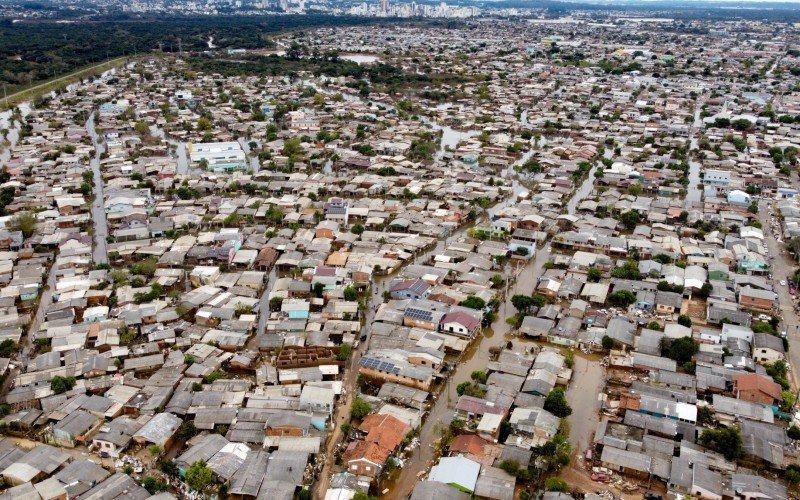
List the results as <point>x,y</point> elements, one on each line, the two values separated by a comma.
<point>474,302</point>
<point>622,298</point>
<point>522,303</point>
<point>705,415</point>
<point>319,289</point>
<point>556,403</point>
<point>199,476</point>
<point>681,350</point>
<point>726,441</point>
<point>608,342</point>
<point>478,376</point>
<point>7,348</point>
<point>357,229</point>
<point>793,473</point>
<point>654,325</point>
<point>187,430</point>
<point>350,294</point>
<point>510,466</point>
<point>594,274</point>
<point>204,124</point>
<point>555,484</point>
<point>60,384</point>
<point>628,271</point>
<point>25,222</point>
<point>685,320</point>
<point>275,303</point>
<point>153,485</point>
<point>793,433</point>
<point>630,219</point>
<point>168,467</point>
<point>742,124</point>
<point>359,409</point>
<point>292,148</point>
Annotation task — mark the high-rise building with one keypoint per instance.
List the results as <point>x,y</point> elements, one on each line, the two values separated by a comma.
<point>384,6</point>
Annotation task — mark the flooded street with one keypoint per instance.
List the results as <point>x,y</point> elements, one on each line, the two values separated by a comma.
<point>100,251</point>
<point>477,357</point>
<point>588,379</point>
<point>693,189</point>
<point>180,150</point>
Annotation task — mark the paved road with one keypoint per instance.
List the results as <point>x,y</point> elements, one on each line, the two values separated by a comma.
<point>782,267</point>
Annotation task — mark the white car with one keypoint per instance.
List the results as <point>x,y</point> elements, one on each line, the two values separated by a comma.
<point>763,317</point>
<point>783,282</point>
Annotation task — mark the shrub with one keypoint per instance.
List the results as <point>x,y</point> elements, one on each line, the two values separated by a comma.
<point>555,484</point>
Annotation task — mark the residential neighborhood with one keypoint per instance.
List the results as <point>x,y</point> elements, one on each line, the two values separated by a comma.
<point>540,260</point>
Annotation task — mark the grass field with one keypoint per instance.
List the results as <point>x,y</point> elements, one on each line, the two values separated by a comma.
<point>42,88</point>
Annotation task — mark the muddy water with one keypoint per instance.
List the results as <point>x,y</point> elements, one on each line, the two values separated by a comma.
<point>588,379</point>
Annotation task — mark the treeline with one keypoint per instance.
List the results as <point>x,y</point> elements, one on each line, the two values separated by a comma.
<point>389,77</point>
<point>32,51</point>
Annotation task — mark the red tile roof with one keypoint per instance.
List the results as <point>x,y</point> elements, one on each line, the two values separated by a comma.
<point>756,382</point>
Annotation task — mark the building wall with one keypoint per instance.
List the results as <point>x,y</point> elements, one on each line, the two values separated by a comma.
<point>363,468</point>
<point>766,355</point>
<point>756,303</point>
<point>755,396</point>
<point>425,385</point>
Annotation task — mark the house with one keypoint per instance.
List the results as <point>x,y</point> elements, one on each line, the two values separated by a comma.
<point>756,388</point>
<point>434,490</point>
<point>423,314</point>
<point>460,323</point>
<point>752,487</point>
<point>767,348</point>
<point>160,430</point>
<point>758,300</point>
<point>365,458</point>
<point>393,365</point>
<point>536,327</point>
<point>458,472</point>
<point>74,428</point>
<point>409,289</point>
<point>384,435</point>
<point>115,436</point>
<point>495,483</point>
<point>668,302</point>
<point>337,209</point>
